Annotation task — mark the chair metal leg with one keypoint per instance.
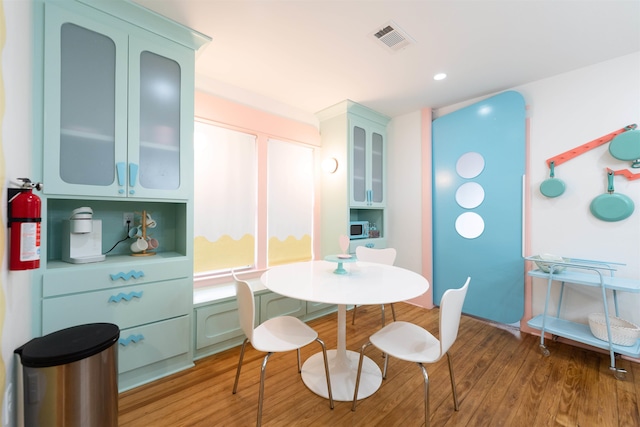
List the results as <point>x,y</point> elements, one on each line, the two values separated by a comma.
<point>393,312</point>
<point>355,393</point>
<point>382,307</point>
<point>453,384</point>
<point>299,365</point>
<point>261,395</point>
<point>426,394</point>
<point>235,384</point>
<point>353,318</point>
<point>326,370</point>
<point>386,363</point>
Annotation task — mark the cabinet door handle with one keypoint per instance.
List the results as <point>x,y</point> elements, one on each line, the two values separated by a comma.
<point>133,176</point>
<point>121,172</point>
<point>127,297</point>
<point>127,276</point>
<point>133,338</point>
<point>369,197</point>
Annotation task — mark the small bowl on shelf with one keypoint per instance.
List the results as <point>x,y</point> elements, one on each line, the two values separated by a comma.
<point>546,261</point>
<point>623,332</point>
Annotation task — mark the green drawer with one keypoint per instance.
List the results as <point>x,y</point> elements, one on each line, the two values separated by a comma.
<point>144,345</point>
<point>125,306</point>
<point>115,272</point>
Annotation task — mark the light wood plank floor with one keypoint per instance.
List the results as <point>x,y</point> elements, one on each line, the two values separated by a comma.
<point>502,380</point>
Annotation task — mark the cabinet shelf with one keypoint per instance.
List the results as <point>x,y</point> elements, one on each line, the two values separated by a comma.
<point>586,279</point>
<point>86,135</point>
<point>114,260</point>
<point>596,274</point>
<point>581,333</point>
<point>157,146</point>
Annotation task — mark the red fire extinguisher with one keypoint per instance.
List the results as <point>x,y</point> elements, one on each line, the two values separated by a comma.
<point>24,222</point>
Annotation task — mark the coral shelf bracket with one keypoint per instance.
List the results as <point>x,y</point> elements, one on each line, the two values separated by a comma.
<point>575,152</point>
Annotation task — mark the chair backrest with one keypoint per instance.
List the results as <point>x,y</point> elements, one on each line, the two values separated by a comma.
<point>381,256</point>
<point>450,313</point>
<point>246,307</point>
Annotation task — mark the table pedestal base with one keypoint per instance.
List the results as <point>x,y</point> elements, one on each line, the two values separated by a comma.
<point>343,371</point>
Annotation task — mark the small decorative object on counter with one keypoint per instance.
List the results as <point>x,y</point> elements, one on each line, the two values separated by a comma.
<point>623,332</point>
<point>82,237</point>
<point>144,244</point>
<point>374,233</point>
<point>546,261</point>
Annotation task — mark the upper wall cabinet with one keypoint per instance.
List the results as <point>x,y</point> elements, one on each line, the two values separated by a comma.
<point>367,147</point>
<point>119,107</point>
<point>356,137</point>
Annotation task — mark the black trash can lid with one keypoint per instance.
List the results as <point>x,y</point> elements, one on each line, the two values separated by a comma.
<point>68,345</point>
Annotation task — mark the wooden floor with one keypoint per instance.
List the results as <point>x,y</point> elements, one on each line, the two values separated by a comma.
<point>502,380</point>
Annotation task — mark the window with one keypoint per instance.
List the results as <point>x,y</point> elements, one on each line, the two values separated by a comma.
<point>290,202</point>
<point>254,200</point>
<point>225,195</point>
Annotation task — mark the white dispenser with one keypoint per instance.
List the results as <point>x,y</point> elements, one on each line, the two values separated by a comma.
<point>82,237</point>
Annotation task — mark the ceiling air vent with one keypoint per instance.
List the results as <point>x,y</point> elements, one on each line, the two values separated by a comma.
<point>393,37</point>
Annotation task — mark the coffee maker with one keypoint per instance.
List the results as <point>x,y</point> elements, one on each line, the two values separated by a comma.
<point>82,237</point>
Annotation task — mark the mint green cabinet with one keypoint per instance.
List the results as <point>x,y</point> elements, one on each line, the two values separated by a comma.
<point>217,324</point>
<point>117,135</point>
<point>119,107</point>
<point>150,300</point>
<point>218,327</point>
<point>357,191</point>
<point>367,167</point>
<point>273,305</point>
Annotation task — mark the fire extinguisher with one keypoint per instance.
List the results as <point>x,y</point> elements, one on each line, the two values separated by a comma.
<point>24,221</point>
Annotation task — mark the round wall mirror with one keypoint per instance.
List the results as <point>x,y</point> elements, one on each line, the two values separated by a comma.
<point>469,225</point>
<point>470,164</point>
<point>470,195</point>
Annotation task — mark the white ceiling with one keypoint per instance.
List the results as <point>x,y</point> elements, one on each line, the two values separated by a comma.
<point>311,54</point>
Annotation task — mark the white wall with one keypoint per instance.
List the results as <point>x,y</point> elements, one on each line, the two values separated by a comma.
<point>404,216</point>
<point>565,111</point>
<point>16,309</point>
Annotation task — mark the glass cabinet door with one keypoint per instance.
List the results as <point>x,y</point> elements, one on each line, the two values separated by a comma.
<point>87,107</point>
<point>159,148</point>
<point>367,164</point>
<point>377,168</point>
<point>160,141</point>
<point>359,166</point>
<point>85,88</point>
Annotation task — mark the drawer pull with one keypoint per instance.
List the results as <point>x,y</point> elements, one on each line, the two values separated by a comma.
<point>127,276</point>
<point>131,338</point>
<point>128,297</point>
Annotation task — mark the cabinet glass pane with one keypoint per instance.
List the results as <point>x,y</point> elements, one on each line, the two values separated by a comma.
<point>159,122</point>
<point>359,164</point>
<point>376,167</point>
<point>87,107</point>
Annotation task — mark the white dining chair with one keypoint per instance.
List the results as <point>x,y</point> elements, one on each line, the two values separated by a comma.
<point>382,256</point>
<point>276,335</point>
<point>410,342</point>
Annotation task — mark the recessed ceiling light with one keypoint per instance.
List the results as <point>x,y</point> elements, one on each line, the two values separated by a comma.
<point>440,76</point>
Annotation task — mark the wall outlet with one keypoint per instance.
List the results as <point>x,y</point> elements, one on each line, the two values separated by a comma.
<point>127,217</point>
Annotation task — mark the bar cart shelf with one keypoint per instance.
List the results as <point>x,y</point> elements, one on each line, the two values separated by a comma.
<point>590,273</point>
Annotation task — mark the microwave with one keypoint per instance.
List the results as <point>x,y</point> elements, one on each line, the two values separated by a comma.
<point>359,229</point>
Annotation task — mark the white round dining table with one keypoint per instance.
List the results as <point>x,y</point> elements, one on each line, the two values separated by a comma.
<point>364,283</point>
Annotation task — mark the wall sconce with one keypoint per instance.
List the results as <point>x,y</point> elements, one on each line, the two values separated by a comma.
<point>330,165</point>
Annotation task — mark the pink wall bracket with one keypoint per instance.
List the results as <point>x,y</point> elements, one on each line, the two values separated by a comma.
<point>575,152</point>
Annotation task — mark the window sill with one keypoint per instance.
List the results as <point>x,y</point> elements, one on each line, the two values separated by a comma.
<point>207,294</point>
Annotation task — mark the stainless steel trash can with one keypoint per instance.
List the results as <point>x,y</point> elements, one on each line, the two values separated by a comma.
<point>70,377</point>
